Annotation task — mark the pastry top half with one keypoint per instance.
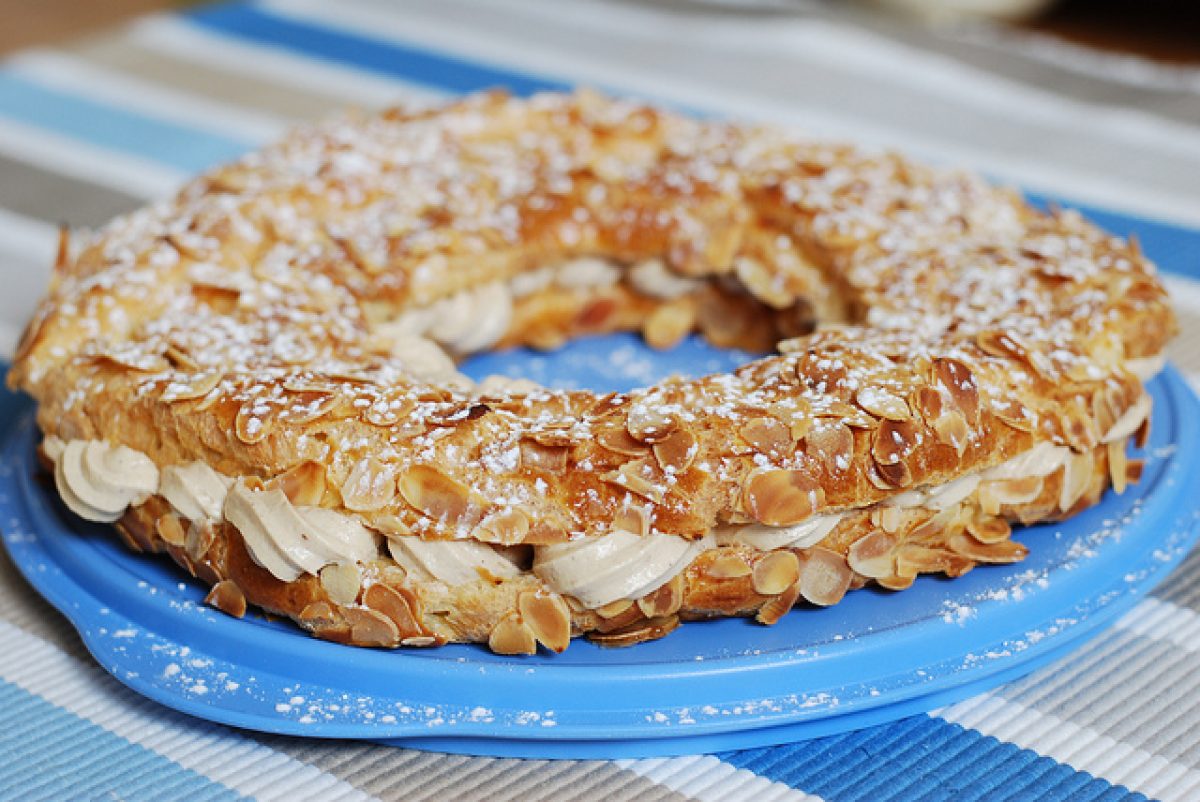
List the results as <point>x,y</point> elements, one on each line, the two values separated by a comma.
<point>291,321</point>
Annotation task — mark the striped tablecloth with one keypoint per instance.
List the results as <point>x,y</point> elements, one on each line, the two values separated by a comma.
<point>97,128</point>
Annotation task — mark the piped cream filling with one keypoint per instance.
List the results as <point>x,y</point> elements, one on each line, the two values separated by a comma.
<point>97,480</point>
<point>620,565</point>
<point>453,562</point>
<point>288,540</point>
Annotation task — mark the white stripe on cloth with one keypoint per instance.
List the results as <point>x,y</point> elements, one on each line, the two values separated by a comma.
<point>1164,621</point>
<point>169,35</point>
<point>58,70</point>
<point>1085,748</point>
<point>705,778</point>
<point>1123,68</point>
<point>238,763</point>
<point>67,156</point>
<point>1082,748</point>
<point>538,54</point>
<point>875,57</point>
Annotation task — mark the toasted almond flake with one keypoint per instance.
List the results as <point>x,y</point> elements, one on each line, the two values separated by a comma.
<point>511,636</point>
<point>767,435</point>
<point>913,559</point>
<point>775,573</point>
<point>228,598</point>
<point>728,566</point>
<point>778,606</point>
<point>831,444</point>
<point>552,459</point>
<point>665,601</point>
<point>506,527</point>
<point>649,422</point>
<point>620,441</point>
<point>632,519</point>
<point>318,614</point>
<point>254,422</point>
<point>989,529</point>
<point>640,477</point>
<point>303,484</point>
<point>342,582</point>
<point>883,404</point>
<point>896,582</point>
<point>952,429</point>
<point>389,410</point>
<point>440,497</point>
<point>171,530</point>
<point>781,497</point>
<point>825,577</point>
<point>398,605</point>
<point>872,556</point>
<point>668,324</point>
<point>1117,461</point>
<point>636,633</point>
<point>1133,470</point>
<point>371,627</point>
<point>614,609</point>
<point>1006,551</point>
<point>420,641</point>
<point>1077,477</point>
<point>1014,491</point>
<point>547,617</point>
<point>370,485</point>
<point>676,452</point>
<point>960,385</point>
<point>200,538</point>
<point>191,387</point>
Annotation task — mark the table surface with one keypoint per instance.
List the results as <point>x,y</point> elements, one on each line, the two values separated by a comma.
<point>98,126</point>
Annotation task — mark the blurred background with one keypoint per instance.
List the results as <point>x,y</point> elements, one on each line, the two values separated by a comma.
<point>1164,30</point>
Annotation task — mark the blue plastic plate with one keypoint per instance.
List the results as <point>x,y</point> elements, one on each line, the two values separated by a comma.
<point>710,686</point>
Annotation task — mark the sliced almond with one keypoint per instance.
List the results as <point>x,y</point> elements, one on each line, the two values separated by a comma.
<point>228,598</point>
<point>614,608</point>
<point>649,421</point>
<point>959,382</point>
<point>304,484</point>
<point>254,422</point>
<point>440,497</point>
<point>871,556</point>
<point>318,615</point>
<point>989,529</point>
<point>506,527</point>
<point>200,538</point>
<point>825,577</point>
<point>1013,491</point>
<point>668,324</point>
<point>676,452</point>
<point>191,387</point>
<point>640,632</point>
<point>371,627</point>
<point>781,497</point>
<point>913,559</point>
<point>1117,461</point>
<point>618,440</point>
<point>831,443</point>
<point>511,636</point>
<point>728,566</point>
<point>775,573</point>
<point>665,601</point>
<point>341,581</point>
<point>171,530</point>
<point>767,435</point>
<point>547,617</point>
<point>1077,477</point>
<point>952,430</point>
<point>882,403</point>
<point>1006,551</point>
<point>552,459</point>
<point>400,607</point>
<point>778,606</point>
<point>1133,470</point>
<point>371,485</point>
<point>641,477</point>
<point>896,582</point>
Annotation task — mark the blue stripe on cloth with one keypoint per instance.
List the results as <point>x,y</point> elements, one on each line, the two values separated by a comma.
<point>1174,248</point>
<point>49,753</point>
<point>115,128</point>
<point>386,57</point>
<point>923,758</point>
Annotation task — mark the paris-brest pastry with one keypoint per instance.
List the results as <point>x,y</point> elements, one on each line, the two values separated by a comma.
<point>258,376</point>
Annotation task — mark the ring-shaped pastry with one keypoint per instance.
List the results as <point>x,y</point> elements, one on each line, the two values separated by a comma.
<point>258,377</point>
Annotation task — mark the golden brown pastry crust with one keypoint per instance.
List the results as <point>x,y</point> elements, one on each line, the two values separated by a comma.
<point>240,324</point>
